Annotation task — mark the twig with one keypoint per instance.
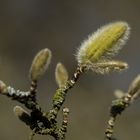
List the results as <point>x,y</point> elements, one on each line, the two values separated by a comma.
<point>119,105</point>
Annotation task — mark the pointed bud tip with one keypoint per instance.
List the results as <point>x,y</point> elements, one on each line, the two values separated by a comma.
<point>135,86</point>
<point>3,87</point>
<point>136,81</point>
<point>18,110</point>
<point>118,65</point>
<point>138,78</point>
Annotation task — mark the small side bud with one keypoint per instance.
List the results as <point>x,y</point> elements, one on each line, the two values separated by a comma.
<point>119,94</point>
<point>40,64</point>
<point>103,44</point>
<point>135,86</point>
<point>66,110</point>
<point>22,114</point>
<point>109,66</point>
<point>61,74</point>
<point>3,87</point>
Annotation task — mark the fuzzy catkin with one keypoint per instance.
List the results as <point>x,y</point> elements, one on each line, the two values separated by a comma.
<point>40,64</point>
<point>61,74</point>
<point>105,42</point>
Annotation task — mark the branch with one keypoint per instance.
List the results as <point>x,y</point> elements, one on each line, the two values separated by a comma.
<point>119,105</point>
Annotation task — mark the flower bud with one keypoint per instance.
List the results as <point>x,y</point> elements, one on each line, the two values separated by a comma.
<point>109,66</point>
<point>22,114</point>
<point>3,87</point>
<point>119,94</point>
<point>135,86</point>
<point>104,43</point>
<point>40,64</point>
<point>61,74</point>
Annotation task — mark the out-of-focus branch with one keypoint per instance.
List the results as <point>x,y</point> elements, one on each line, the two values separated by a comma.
<point>120,104</point>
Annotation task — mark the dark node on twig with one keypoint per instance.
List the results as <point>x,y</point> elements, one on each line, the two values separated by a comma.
<point>117,107</point>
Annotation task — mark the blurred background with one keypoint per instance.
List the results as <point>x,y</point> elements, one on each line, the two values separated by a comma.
<point>26,26</point>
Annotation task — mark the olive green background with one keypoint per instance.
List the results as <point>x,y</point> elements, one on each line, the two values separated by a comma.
<point>26,26</point>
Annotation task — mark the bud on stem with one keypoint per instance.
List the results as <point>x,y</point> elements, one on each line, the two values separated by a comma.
<point>103,44</point>
<point>61,74</point>
<point>135,86</point>
<point>22,114</point>
<point>40,64</point>
<point>3,87</point>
